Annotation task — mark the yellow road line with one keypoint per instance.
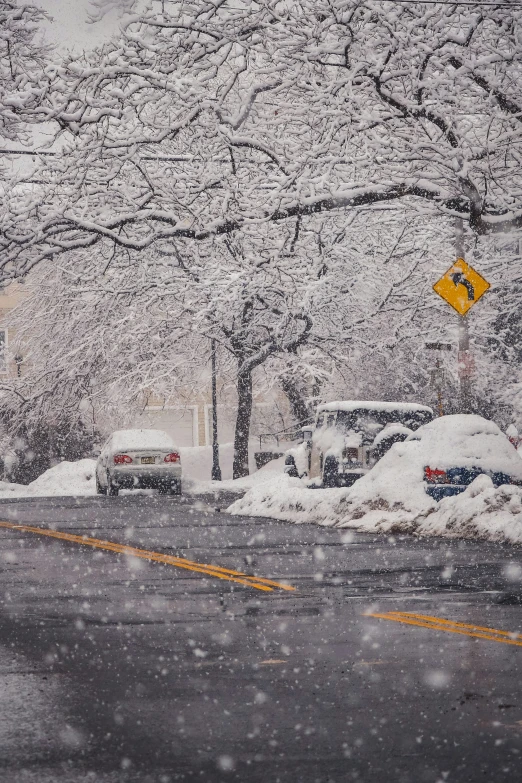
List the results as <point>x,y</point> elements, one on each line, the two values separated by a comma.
<point>260,583</point>
<point>450,626</point>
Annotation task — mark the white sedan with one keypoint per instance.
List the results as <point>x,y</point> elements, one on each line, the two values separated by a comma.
<point>138,459</point>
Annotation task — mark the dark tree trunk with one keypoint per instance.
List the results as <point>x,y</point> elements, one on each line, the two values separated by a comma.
<point>297,400</point>
<point>242,433</point>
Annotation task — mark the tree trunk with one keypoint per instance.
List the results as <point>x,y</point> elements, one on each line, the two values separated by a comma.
<point>242,433</point>
<point>296,398</point>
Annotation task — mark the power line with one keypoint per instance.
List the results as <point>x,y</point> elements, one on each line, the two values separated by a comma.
<point>477,5</point>
<point>160,158</point>
<point>26,152</point>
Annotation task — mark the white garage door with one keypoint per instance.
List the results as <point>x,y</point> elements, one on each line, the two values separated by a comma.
<point>178,422</point>
<point>226,422</point>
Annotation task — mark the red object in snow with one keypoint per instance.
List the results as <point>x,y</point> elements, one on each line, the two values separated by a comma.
<point>435,476</point>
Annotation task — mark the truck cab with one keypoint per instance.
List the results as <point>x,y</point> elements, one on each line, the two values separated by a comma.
<point>350,436</point>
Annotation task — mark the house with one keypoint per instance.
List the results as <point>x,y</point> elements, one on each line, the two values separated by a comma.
<point>10,295</point>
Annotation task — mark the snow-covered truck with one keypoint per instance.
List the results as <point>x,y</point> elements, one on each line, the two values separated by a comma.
<point>350,436</point>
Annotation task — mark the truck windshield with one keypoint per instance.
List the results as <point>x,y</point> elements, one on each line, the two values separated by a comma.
<point>371,422</point>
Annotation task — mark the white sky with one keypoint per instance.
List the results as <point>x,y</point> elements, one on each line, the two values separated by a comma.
<point>69,28</point>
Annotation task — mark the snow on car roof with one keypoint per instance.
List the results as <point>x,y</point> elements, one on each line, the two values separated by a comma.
<point>141,439</point>
<point>467,440</point>
<point>378,405</point>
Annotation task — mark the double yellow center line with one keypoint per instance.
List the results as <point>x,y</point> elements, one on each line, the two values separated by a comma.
<point>257,582</point>
<point>450,626</point>
<point>268,585</point>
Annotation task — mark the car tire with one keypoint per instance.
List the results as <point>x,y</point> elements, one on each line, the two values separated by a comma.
<point>99,489</point>
<point>176,488</point>
<point>112,489</point>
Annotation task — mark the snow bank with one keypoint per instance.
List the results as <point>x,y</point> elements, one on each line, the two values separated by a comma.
<point>267,474</point>
<point>9,488</point>
<point>482,511</point>
<point>392,496</point>
<point>78,478</point>
<point>66,478</point>
<point>392,491</point>
<point>288,499</point>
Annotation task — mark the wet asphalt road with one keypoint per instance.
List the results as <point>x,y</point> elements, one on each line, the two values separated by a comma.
<point>115,670</point>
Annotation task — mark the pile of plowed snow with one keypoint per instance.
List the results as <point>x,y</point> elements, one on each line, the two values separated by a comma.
<point>66,478</point>
<point>481,511</point>
<point>392,496</point>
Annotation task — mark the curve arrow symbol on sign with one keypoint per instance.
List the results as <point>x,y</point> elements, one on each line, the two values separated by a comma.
<point>448,287</point>
<point>459,279</point>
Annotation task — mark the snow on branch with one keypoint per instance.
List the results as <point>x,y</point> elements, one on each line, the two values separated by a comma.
<point>203,120</point>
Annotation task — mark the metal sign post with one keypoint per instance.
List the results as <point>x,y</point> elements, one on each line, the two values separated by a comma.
<point>462,287</point>
<point>216,470</point>
<point>437,372</point>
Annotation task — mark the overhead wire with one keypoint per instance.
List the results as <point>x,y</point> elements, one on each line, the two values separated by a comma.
<point>470,3</point>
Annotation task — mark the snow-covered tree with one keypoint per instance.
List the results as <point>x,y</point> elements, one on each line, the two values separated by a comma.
<point>202,119</point>
<point>142,325</point>
<point>23,59</point>
<point>346,300</point>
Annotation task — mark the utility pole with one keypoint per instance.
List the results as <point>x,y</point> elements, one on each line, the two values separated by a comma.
<point>464,356</point>
<point>438,379</point>
<point>437,372</point>
<point>216,470</point>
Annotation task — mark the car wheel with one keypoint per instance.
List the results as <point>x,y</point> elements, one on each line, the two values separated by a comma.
<point>99,489</point>
<point>176,488</point>
<point>112,489</point>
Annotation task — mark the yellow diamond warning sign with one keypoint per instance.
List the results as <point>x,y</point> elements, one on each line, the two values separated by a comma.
<point>461,286</point>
